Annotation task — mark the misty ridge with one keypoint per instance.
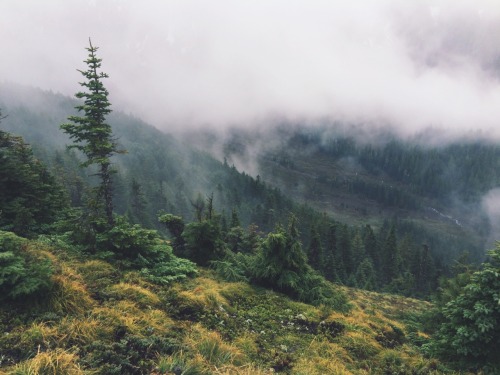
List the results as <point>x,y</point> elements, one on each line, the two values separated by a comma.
<point>360,172</point>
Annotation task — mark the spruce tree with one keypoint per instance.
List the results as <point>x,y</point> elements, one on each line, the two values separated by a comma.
<point>315,251</point>
<point>235,220</point>
<point>392,259</point>
<point>282,262</point>
<point>90,132</point>
<point>30,198</point>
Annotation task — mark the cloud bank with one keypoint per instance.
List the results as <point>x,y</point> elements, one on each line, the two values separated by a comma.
<point>191,63</point>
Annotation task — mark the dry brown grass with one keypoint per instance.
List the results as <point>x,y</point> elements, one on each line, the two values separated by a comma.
<point>129,315</point>
<point>56,362</point>
<point>204,293</point>
<point>69,294</point>
<point>214,350</point>
<point>97,273</point>
<point>142,296</point>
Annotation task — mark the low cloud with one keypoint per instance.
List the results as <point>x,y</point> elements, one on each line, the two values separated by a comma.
<point>410,65</point>
<point>491,206</point>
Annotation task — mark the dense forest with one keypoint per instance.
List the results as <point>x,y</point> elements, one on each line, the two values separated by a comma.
<point>125,195</point>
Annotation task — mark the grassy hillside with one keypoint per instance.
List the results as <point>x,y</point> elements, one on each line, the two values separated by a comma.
<point>101,319</point>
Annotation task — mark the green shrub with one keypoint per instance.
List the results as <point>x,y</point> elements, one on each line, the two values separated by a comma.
<point>143,249</point>
<point>234,267</point>
<point>170,269</point>
<point>128,242</point>
<point>470,332</point>
<point>23,271</point>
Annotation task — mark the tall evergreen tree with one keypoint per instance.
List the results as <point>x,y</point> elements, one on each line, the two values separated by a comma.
<point>371,247</point>
<point>90,132</point>
<point>365,275</point>
<point>252,240</point>
<point>334,266</point>
<point>391,266</point>
<point>315,251</point>
<point>137,203</point>
<point>344,250</point>
<point>357,250</point>
<point>235,220</point>
<point>282,262</point>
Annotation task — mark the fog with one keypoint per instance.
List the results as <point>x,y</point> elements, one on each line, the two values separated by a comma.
<point>410,65</point>
<point>491,206</point>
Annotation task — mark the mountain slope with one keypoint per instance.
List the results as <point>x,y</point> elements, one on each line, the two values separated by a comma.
<point>98,317</point>
<point>359,181</point>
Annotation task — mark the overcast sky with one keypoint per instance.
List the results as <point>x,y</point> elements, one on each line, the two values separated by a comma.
<point>410,63</point>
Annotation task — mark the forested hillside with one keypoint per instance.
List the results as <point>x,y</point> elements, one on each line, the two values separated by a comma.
<point>363,220</point>
<point>245,230</point>
<point>358,179</point>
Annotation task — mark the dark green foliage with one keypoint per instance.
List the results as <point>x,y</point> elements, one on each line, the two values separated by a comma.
<point>282,260</point>
<point>470,332</point>
<point>344,249</point>
<point>234,239</point>
<point>333,268</point>
<point>234,267</point>
<point>143,249</point>
<point>391,257</point>
<point>251,241</point>
<point>23,271</point>
<point>203,242</point>
<point>282,264</point>
<point>365,275</point>
<point>423,268</point>
<point>90,132</point>
<point>168,268</point>
<point>127,241</point>
<point>175,226</point>
<point>30,198</point>
<point>137,204</point>
<point>235,220</point>
<point>315,251</point>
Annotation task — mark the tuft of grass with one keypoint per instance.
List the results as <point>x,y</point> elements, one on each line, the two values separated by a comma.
<point>97,274</point>
<point>360,345</point>
<point>128,317</point>
<point>179,363</point>
<point>37,334</point>
<point>323,357</point>
<point>212,348</point>
<point>69,294</point>
<point>205,292</point>
<point>141,296</point>
<point>56,362</point>
<point>320,366</point>
<point>78,331</point>
<point>246,343</point>
<point>242,370</point>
